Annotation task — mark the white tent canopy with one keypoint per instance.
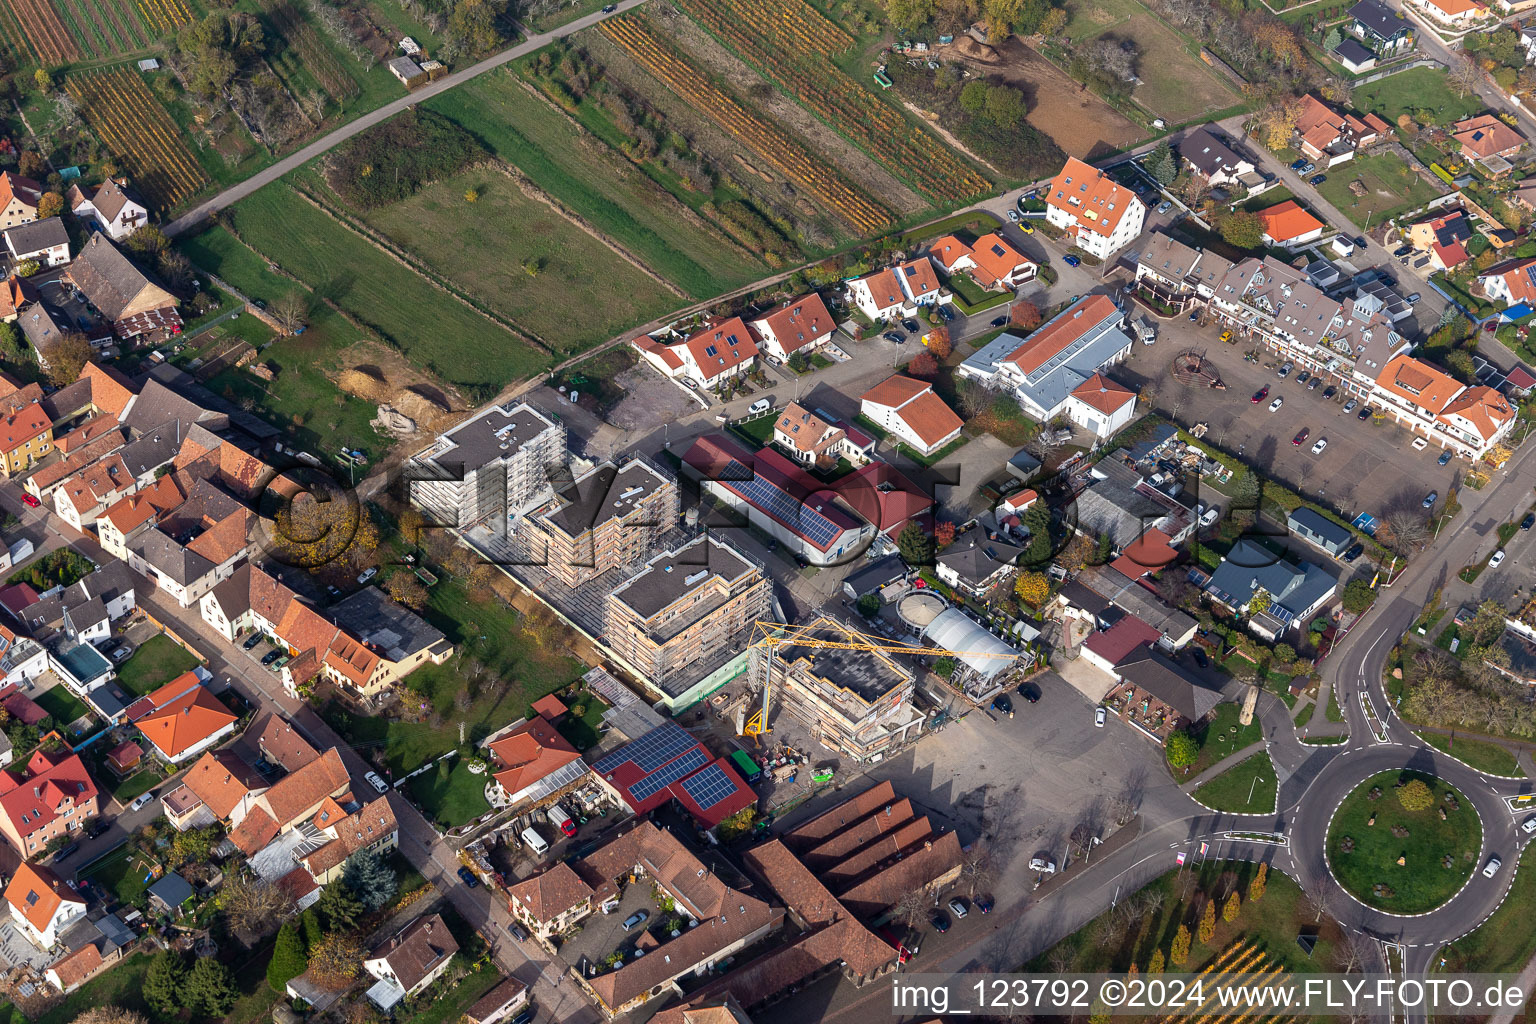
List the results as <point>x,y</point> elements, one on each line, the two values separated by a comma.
<point>953,630</point>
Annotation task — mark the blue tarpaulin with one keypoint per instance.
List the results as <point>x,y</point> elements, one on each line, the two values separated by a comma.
<point>1518,311</point>
<point>1366,523</point>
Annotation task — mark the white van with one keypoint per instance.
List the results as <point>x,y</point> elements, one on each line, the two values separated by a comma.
<point>762,405</point>
<point>534,841</point>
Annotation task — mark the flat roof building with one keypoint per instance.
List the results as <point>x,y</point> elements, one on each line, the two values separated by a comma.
<point>609,517</point>
<point>486,467</point>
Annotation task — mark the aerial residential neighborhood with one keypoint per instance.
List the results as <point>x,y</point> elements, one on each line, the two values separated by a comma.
<point>695,510</point>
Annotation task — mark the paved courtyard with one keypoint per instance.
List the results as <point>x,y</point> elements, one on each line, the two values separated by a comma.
<point>1367,466</point>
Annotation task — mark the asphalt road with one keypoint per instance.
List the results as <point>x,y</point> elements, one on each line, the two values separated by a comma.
<point>198,214</point>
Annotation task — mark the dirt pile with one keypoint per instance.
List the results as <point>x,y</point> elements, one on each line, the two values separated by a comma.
<point>366,382</point>
<point>968,48</point>
<point>421,407</point>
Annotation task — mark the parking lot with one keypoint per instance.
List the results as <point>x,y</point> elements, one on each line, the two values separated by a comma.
<point>1366,466</point>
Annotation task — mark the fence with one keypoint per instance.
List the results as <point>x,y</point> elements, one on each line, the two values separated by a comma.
<point>176,637</point>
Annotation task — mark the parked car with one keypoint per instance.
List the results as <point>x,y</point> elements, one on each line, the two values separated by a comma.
<point>1276,404</point>
<point>911,325</point>
<point>1002,705</point>
<point>1029,692</point>
<point>1529,521</point>
<point>760,406</point>
<point>1164,206</point>
<point>1314,383</point>
<point>1494,863</point>
<point>940,922</point>
<point>468,878</point>
<point>1297,165</point>
<point>958,908</point>
<point>1497,559</point>
<point>1210,515</point>
<point>367,574</point>
<point>1026,227</point>
<point>377,783</point>
<point>1260,395</point>
<point>1303,377</point>
<point>1301,436</point>
<point>1308,167</point>
<point>1430,499</point>
<point>1445,457</point>
<point>1330,391</point>
<point>525,1016</point>
<point>999,321</point>
<point>610,8</point>
<point>1528,826</point>
<point>1317,179</point>
<point>1194,317</point>
<point>141,802</point>
<point>1317,449</point>
<point>1285,371</point>
<point>1355,551</point>
<point>945,313</point>
<point>1364,413</point>
<point>252,641</point>
<point>1099,716</point>
<point>29,501</point>
<point>270,657</point>
<point>1402,250</point>
<point>1349,406</point>
<point>1043,865</point>
<point>636,919</point>
<point>984,904</point>
<point>1071,260</point>
<point>1201,659</point>
<point>1013,215</point>
<point>894,338</point>
<point>66,851</point>
<point>516,931</point>
<point>96,828</point>
<point>1226,335</point>
<point>1415,297</point>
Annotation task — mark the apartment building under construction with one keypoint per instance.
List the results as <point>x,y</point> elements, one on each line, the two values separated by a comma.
<point>498,462</point>
<point>607,518</point>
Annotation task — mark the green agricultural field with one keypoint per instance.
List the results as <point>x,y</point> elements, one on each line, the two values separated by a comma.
<point>432,329</point>
<point>1420,92</point>
<point>1392,187</point>
<point>488,247</point>
<point>614,197</point>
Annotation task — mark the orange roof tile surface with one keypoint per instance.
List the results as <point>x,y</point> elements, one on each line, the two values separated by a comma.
<point>37,892</point>
<point>1418,382</point>
<point>1095,199</point>
<point>529,753</point>
<point>1287,220</point>
<point>1103,394</point>
<point>189,714</point>
<point>1053,339</point>
<point>720,346</point>
<point>800,322</point>
<point>996,259</point>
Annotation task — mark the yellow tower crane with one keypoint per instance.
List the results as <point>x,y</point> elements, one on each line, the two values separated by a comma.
<point>774,635</point>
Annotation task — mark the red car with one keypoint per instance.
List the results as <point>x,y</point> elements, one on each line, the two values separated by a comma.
<point>30,502</point>
<point>1299,438</point>
<point>1261,394</point>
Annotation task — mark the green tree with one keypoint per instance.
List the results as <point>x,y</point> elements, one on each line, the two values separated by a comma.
<point>339,907</point>
<point>1333,39</point>
<point>1358,596</point>
<point>1178,953</point>
<point>973,98</point>
<point>1260,880</point>
<point>1005,106</point>
<point>1207,922</point>
<point>371,880</point>
<point>1163,165</point>
<point>288,957</point>
<point>1181,750</point>
<point>1242,229</point>
<point>210,988</point>
<point>944,667</point>
<point>26,268</point>
<point>163,983</point>
<point>1487,623</point>
<point>909,15</point>
<point>869,605</point>
<point>10,343</point>
<point>1230,910</point>
<point>916,547</point>
<point>1415,796</point>
<point>1285,654</point>
<point>309,925</point>
<point>66,358</point>
<point>737,825</point>
<point>43,79</point>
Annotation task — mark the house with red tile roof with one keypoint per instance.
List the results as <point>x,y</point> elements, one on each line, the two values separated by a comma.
<point>409,961</point>
<point>220,788</point>
<point>1511,283</point>
<point>1329,137</point>
<point>1289,224</point>
<point>531,762</point>
<point>808,438</point>
<point>886,498</point>
<point>710,356</point>
<point>1100,214</point>
<point>42,904</point>
<point>912,412</point>
<point>1101,405</point>
<point>185,719</point>
<point>803,324</point>
<point>26,430</point>
<point>18,199</point>
<point>1106,648</point>
<point>551,901</point>
<point>295,798</point>
<point>50,796</point>
<point>1444,237</point>
<point>1430,402</point>
<point>898,291</point>
<point>369,831</point>
<point>70,972</point>
<point>992,261</point>
<point>1485,137</point>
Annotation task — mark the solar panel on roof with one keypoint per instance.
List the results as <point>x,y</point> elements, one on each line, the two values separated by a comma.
<point>654,783</point>
<point>709,787</point>
<point>650,751</point>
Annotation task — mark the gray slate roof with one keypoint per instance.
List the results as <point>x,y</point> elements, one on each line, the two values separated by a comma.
<point>107,278</point>
<point>1248,566</point>
<point>1169,682</point>
<point>26,239</point>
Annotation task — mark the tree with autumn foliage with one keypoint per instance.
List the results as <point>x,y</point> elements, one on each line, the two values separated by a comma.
<point>335,960</point>
<point>1207,921</point>
<point>1230,910</point>
<point>407,590</point>
<point>1178,953</point>
<point>943,533</point>
<point>1033,588</point>
<point>1026,316</point>
<point>1157,963</point>
<point>923,365</point>
<point>939,342</point>
<point>1256,887</point>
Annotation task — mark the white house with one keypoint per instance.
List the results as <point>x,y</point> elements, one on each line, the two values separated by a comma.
<point>912,412</point>
<point>109,207</point>
<point>1100,405</point>
<point>1100,214</point>
<point>993,262</point>
<point>409,961</point>
<point>45,241</point>
<point>709,357</point>
<point>801,324</point>
<point>897,291</point>
<point>1209,156</point>
<point>42,905</point>
<point>807,437</point>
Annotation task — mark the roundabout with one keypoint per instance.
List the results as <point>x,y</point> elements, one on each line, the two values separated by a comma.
<point>1403,842</point>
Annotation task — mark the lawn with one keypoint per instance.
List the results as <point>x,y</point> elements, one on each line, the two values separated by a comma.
<point>758,431</point>
<point>517,673</point>
<point>122,985</point>
<point>1221,735</point>
<point>1333,712</point>
<point>581,731</point>
<point>137,784</point>
<point>1175,85</point>
<point>432,329</point>
<point>487,246</point>
<point>1392,187</point>
<point>122,872</point>
<point>62,705</point>
<point>1114,941</point>
<point>157,661</point>
<point>303,401</point>
<point>1306,714</point>
<point>1478,754</point>
<point>1420,92</point>
<point>449,1007</point>
<point>1236,789</point>
<point>601,186</point>
<point>449,793</point>
<point>256,996</point>
<point>1421,882</point>
<point>1504,943</point>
